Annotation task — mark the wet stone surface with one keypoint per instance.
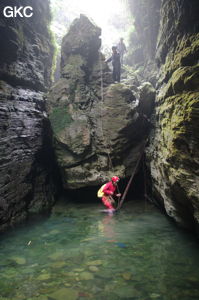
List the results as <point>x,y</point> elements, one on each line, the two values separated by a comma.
<point>82,253</point>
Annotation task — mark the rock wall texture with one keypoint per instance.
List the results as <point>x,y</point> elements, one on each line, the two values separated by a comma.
<point>25,68</point>
<point>173,154</point>
<point>93,120</point>
<point>143,41</point>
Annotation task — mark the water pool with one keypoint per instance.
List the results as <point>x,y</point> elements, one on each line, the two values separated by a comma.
<point>81,253</point>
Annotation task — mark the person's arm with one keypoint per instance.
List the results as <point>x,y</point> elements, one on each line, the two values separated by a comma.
<point>107,190</point>
<point>108,60</point>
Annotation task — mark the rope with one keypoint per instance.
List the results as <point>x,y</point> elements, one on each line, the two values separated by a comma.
<point>132,176</point>
<point>105,141</point>
<point>102,99</point>
<point>145,187</point>
<point>120,202</point>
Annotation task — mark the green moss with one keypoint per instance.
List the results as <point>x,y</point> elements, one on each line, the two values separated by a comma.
<point>178,122</point>
<point>60,119</point>
<point>74,67</point>
<point>185,54</point>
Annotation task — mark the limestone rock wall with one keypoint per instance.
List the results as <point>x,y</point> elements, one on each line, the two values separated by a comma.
<point>25,68</point>
<point>146,14</point>
<point>173,153</point>
<point>174,148</point>
<point>92,119</point>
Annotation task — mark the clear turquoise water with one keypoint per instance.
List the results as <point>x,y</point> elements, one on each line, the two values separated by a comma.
<point>82,253</point>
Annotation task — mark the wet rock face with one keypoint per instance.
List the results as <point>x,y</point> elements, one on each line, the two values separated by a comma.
<point>26,50</point>
<point>173,155</point>
<point>146,15</point>
<point>90,126</point>
<point>25,67</point>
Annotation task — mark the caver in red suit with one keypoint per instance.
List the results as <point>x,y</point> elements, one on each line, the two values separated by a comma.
<point>110,190</point>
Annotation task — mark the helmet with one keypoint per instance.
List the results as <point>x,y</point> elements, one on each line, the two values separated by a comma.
<point>115,179</point>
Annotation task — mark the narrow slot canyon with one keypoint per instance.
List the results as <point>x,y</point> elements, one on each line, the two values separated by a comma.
<point>99,185</point>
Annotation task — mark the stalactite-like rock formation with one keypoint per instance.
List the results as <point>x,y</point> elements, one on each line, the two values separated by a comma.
<point>25,68</point>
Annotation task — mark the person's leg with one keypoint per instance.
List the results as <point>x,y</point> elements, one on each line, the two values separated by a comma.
<point>107,203</point>
<point>121,58</point>
<point>118,74</point>
<point>114,74</point>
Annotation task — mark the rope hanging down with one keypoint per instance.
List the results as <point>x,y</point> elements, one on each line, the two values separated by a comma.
<point>107,145</point>
<point>105,140</point>
<point>120,202</point>
<point>132,176</point>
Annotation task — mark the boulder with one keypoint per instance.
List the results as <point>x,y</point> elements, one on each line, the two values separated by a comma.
<point>147,98</point>
<point>97,127</point>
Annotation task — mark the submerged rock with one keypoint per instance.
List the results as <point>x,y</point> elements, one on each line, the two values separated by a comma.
<point>86,276</point>
<point>43,277</point>
<point>97,262</point>
<point>58,264</point>
<point>57,255</point>
<point>127,275</point>
<point>64,293</point>
<point>93,268</point>
<point>19,260</point>
<point>92,120</point>
<point>126,292</point>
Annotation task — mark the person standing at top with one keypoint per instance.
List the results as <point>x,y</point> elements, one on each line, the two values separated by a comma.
<point>121,49</point>
<point>115,58</point>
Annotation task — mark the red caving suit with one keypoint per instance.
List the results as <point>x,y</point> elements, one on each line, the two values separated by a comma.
<point>108,190</point>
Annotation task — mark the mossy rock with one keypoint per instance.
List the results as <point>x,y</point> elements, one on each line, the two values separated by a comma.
<point>74,67</point>
<point>60,119</point>
<point>43,277</point>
